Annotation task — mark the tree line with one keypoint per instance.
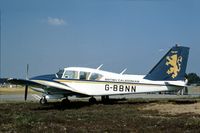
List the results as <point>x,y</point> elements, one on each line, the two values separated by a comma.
<point>193,78</point>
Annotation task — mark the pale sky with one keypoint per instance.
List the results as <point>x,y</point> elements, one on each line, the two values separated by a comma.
<point>133,34</point>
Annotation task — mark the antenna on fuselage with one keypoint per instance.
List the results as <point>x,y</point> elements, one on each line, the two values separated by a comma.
<point>123,71</point>
<point>99,67</point>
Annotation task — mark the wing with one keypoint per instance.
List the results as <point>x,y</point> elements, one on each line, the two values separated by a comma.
<point>25,82</point>
<point>40,87</point>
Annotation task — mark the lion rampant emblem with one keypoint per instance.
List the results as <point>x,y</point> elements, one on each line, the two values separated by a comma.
<point>175,65</point>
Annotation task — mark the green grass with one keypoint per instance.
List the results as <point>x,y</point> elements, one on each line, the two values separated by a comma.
<point>15,90</point>
<point>84,117</point>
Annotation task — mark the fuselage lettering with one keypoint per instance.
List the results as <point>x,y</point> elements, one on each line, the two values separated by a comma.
<point>120,88</point>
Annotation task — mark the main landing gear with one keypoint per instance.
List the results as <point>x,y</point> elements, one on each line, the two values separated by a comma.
<point>105,99</point>
<point>92,100</point>
<point>65,101</point>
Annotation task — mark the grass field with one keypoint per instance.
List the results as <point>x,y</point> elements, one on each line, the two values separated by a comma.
<point>124,116</point>
<point>14,90</point>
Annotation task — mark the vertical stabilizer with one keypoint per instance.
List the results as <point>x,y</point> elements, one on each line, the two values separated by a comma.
<point>172,66</point>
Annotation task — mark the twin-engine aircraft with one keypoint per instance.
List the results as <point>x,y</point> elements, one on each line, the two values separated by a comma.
<point>167,75</point>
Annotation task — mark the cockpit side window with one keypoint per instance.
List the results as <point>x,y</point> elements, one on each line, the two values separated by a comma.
<point>95,76</point>
<point>71,75</point>
<point>59,73</point>
<point>84,75</point>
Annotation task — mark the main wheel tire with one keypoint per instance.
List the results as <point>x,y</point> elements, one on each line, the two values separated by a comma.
<point>43,101</point>
<point>65,101</point>
<point>92,100</point>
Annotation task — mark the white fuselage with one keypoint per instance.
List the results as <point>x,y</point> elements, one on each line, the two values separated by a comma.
<point>110,83</point>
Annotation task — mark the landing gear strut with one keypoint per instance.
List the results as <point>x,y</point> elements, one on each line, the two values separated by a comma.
<point>43,100</point>
<point>65,101</point>
<point>92,100</point>
<point>105,99</point>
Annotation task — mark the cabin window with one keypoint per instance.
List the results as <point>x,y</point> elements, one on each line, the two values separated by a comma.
<point>95,76</point>
<point>70,75</point>
<point>84,75</point>
<point>59,73</point>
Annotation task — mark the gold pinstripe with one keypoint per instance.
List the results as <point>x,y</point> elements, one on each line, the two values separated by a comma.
<point>106,82</point>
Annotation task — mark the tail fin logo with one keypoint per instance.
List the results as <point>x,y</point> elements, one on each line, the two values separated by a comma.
<point>174,61</point>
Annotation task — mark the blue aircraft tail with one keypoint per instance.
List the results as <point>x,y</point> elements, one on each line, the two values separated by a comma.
<point>172,66</point>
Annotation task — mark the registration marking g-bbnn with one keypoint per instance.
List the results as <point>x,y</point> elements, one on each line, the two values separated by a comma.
<point>120,88</point>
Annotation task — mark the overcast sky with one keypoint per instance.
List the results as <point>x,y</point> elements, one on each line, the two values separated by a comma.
<point>133,34</point>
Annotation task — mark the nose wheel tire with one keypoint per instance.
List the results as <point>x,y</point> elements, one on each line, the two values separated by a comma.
<point>43,101</point>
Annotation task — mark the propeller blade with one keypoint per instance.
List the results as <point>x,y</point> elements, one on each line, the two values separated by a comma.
<point>26,92</point>
<point>27,71</point>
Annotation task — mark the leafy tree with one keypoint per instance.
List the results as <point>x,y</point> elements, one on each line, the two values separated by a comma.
<point>193,78</point>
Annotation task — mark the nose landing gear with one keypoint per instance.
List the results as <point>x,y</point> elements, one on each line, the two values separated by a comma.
<point>43,100</point>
